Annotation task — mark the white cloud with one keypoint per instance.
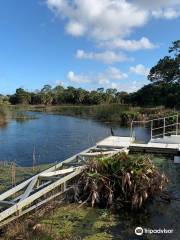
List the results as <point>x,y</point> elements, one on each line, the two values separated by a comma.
<point>59,83</point>
<point>109,24</point>
<point>129,45</point>
<point>107,57</point>
<point>153,4</point>
<point>167,9</point>
<point>140,70</point>
<point>75,28</point>
<point>110,19</point>
<point>105,78</point>
<point>166,13</point>
<point>115,73</point>
<point>99,19</point>
<point>134,86</point>
<point>81,78</point>
<point>111,78</point>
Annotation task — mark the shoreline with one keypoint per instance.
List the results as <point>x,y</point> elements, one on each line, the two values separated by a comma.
<point>107,113</point>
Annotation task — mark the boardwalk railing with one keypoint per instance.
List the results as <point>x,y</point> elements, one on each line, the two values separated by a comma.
<point>163,126</point>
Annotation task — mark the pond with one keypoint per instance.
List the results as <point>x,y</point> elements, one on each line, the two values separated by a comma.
<point>51,138</point>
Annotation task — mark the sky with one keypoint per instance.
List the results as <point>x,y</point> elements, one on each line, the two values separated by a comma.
<point>84,43</point>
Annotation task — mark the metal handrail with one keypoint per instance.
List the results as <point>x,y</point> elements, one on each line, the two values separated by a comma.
<point>176,118</point>
<point>162,134</point>
<point>156,119</point>
<point>164,117</point>
<point>175,124</point>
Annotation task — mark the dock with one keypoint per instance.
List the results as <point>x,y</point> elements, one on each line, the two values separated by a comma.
<point>167,145</point>
<point>160,148</point>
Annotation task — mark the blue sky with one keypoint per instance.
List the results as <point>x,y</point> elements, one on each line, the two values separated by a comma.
<point>83,43</point>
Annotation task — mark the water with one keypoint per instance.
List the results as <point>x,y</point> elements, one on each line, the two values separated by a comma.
<point>53,137</point>
<point>157,214</point>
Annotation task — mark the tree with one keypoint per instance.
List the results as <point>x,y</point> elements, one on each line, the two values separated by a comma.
<point>80,95</point>
<point>58,95</point>
<point>167,70</point>
<point>110,95</point>
<point>175,48</point>
<point>100,90</point>
<point>20,97</point>
<point>70,94</point>
<point>46,89</point>
<point>111,91</point>
<point>46,95</point>
<point>121,97</point>
<point>95,97</point>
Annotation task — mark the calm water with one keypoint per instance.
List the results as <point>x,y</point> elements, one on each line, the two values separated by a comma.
<point>157,214</point>
<point>53,138</point>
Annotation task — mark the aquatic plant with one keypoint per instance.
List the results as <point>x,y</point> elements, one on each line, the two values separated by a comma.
<point>120,181</point>
<point>3,116</point>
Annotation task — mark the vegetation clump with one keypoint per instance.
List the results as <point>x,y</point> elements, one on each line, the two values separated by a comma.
<point>120,181</point>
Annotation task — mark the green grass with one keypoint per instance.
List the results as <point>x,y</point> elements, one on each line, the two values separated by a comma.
<point>22,173</point>
<point>85,223</point>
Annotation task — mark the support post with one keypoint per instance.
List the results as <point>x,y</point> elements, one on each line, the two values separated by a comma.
<point>151,129</point>
<point>13,174</point>
<point>164,127</point>
<point>177,124</point>
<point>131,132</point>
<point>34,159</point>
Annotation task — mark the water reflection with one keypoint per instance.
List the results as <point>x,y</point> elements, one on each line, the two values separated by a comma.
<point>55,137</point>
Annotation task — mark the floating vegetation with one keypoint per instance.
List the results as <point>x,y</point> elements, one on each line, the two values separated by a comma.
<point>22,117</point>
<point>120,181</point>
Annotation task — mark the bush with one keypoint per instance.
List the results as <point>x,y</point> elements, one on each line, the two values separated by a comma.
<point>120,180</point>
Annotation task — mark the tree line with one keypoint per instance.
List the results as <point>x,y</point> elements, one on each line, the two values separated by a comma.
<point>70,95</point>
<point>163,89</point>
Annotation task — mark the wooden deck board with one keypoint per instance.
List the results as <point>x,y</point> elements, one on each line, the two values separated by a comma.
<point>115,142</point>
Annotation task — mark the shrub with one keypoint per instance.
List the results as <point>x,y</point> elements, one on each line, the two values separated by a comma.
<point>120,180</point>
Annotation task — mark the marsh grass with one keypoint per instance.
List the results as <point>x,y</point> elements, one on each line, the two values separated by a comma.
<point>3,116</point>
<point>118,113</point>
<point>22,173</point>
<point>112,113</point>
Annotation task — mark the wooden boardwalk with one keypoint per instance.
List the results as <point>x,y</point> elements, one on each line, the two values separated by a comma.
<point>160,148</point>
<point>166,145</point>
<point>47,185</point>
